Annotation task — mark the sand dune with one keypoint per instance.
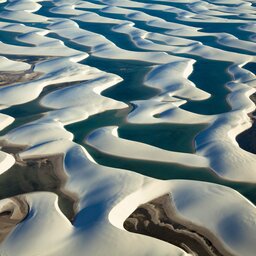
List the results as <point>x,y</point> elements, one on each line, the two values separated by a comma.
<point>73,74</point>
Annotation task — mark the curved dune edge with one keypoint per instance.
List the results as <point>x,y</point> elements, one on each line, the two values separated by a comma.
<point>106,140</point>
<point>246,139</point>
<point>6,161</point>
<point>107,195</point>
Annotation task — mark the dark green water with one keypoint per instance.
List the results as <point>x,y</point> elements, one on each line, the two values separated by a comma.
<point>172,137</point>
<point>132,72</point>
<point>210,76</point>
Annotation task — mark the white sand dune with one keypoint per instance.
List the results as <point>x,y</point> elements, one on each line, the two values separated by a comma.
<point>29,6</point>
<point>170,80</point>
<point>60,40</point>
<point>106,140</point>
<point>11,66</point>
<point>5,121</point>
<point>6,161</point>
<point>102,188</point>
<point>23,15</point>
<point>165,110</point>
